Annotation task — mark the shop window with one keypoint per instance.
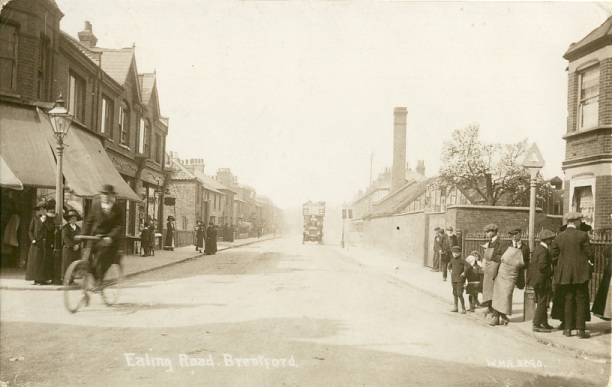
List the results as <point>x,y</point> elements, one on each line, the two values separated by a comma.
<point>588,108</point>
<point>584,202</point>
<point>8,57</point>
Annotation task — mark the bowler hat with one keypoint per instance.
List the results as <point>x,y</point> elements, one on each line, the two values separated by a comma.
<point>491,227</point>
<point>516,230</point>
<point>573,215</point>
<point>72,212</point>
<point>456,249</point>
<point>546,234</point>
<point>108,189</point>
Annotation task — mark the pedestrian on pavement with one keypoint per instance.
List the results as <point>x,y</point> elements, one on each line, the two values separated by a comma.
<point>145,239</point>
<point>231,233</point>
<point>510,261</point>
<point>170,229</point>
<point>152,239</point>
<point>33,230</point>
<point>445,254</point>
<point>208,249</point>
<point>45,241</point>
<point>200,232</point>
<point>452,238</point>
<point>71,247</point>
<point>571,250</point>
<point>601,302</point>
<point>215,236</point>
<point>540,279</point>
<point>437,247</point>
<point>473,280</point>
<point>458,268</point>
<point>490,269</point>
<point>516,235</point>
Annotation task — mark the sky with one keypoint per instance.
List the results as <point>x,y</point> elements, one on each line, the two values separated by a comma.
<point>297,98</point>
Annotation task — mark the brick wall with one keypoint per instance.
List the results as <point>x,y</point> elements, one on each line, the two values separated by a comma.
<point>603,202</point>
<point>572,102</point>
<point>410,236</point>
<point>185,194</point>
<point>589,144</point>
<point>605,92</point>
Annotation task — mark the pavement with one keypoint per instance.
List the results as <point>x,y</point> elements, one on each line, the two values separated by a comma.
<point>596,348</point>
<point>13,278</point>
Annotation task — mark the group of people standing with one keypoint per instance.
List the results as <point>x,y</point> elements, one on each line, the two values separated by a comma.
<point>43,266</point>
<point>560,271</point>
<point>443,244</point>
<point>206,238</point>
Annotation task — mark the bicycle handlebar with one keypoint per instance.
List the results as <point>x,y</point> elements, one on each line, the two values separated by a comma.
<point>88,237</point>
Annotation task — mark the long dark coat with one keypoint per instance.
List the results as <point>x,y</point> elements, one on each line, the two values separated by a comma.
<point>69,255</point>
<point>45,241</point>
<point>200,237</point>
<point>169,240</point>
<point>33,231</point>
<point>571,251</point>
<point>540,270</point>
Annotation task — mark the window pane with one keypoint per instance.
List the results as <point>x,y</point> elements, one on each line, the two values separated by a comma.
<point>6,74</point>
<point>104,118</point>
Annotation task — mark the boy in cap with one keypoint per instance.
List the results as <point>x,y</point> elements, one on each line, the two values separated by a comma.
<point>540,279</point>
<point>458,268</point>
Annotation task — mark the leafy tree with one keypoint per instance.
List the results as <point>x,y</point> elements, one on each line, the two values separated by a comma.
<point>493,171</point>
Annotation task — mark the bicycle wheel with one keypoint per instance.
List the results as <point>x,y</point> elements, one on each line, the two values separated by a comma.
<point>111,285</point>
<point>76,281</point>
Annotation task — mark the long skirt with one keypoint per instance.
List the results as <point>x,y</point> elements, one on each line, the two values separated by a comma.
<point>601,303</point>
<point>30,273</point>
<point>503,288</point>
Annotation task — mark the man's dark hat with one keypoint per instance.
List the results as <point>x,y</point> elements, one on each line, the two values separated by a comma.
<point>456,249</point>
<point>170,217</point>
<point>516,230</point>
<point>108,189</point>
<point>41,204</point>
<point>70,213</point>
<point>50,205</point>
<point>546,234</point>
<point>437,229</point>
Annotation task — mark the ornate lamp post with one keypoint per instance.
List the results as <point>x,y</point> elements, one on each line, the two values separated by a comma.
<point>60,122</point>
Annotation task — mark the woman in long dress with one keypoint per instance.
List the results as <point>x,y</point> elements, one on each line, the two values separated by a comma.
<point>170,228</point>
<point>601,303</point>
<point>33,230</point>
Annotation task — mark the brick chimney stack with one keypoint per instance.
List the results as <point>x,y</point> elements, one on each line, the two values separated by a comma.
<point>86,37</point>
<point>420,169</point>
<point>398,170</point>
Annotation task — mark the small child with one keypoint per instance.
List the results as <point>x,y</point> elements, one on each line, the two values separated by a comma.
<point>473,280</point>
<point>458,268</point>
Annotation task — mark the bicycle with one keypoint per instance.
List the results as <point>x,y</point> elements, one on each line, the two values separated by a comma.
<point>79,280</point>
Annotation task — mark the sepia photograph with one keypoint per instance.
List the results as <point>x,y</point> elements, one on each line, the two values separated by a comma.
<point>305,193</point>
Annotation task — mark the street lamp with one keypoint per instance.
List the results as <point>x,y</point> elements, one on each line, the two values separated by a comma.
<point>60,122</point>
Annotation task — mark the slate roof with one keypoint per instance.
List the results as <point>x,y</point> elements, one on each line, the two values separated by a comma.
<point>599,37</point>
<point>116,63</point>
<point>210,182</point>
<point>398,201</point>
<point>147,83</point>
<point>182,173</point>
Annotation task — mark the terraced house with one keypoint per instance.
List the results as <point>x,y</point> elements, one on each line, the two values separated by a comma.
<point>118,134</point>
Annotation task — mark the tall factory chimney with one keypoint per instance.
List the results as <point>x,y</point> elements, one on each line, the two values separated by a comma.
<point>398,171</point>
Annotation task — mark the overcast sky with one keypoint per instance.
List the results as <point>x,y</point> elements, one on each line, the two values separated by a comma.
<point>295,96</point>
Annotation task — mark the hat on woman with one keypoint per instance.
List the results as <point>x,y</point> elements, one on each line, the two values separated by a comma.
<point>50,205</point>
<point>41,204</point>
<point>170,217</point>
<point>72,213</point>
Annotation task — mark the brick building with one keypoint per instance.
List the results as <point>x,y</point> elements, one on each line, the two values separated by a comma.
<point>117,123</point>
<point>588,136</point>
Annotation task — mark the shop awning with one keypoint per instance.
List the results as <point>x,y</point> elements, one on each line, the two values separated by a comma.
<point>24,148</point>
<point>86,165</point>
<point>7,177</point>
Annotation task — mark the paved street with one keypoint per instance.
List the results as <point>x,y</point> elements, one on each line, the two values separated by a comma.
<point>273,313</point>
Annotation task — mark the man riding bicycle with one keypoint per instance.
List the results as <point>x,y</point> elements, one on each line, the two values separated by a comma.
<point>106,221</point>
